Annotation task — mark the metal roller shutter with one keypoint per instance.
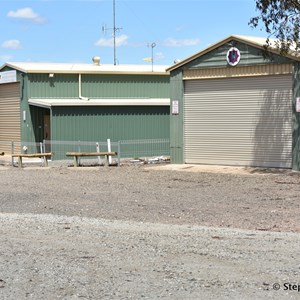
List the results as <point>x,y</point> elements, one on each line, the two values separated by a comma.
<point>9,115</point>
<point>239,121</point>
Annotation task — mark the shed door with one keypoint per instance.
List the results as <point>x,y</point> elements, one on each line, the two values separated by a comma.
<point>239,121</point>
<point>9,115</point>
<point>47,132</point>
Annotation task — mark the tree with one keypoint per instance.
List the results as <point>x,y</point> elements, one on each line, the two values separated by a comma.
<point>281,20</point>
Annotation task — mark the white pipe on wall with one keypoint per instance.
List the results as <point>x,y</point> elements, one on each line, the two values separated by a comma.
<point>79,89</point>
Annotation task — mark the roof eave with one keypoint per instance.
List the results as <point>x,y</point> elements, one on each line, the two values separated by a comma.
<point>51,102</point>
<point>13,67</point>
<point>95,72</point>
<point>29,70</point>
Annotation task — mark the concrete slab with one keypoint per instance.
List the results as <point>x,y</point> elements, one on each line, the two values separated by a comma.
<point>241,170</point>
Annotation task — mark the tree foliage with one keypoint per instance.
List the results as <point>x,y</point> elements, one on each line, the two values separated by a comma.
<point>280,19</point>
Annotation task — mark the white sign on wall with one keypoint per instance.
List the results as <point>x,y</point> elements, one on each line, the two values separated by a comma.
<point>8,76</point>
<point>175,107</point>
<point>298,104</point>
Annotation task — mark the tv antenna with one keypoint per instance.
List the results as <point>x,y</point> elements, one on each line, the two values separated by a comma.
<point>152,45</point>
<point>114,30</point>
<point>150,59</point>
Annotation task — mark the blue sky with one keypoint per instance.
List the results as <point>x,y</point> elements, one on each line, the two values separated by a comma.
<point>70,31</point>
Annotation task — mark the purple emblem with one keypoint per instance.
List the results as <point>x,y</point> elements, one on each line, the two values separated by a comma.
<point>233,56</point>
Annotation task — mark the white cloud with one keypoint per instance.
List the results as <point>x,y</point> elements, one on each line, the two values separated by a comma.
<point>120,41</point>
<point>26,14</point>
<point>171,42</point>
<point>11,44</point>
<point>159,56</point>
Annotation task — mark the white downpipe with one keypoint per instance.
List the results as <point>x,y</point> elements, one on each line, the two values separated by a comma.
<point>109,150</point>
<point>79,89</point>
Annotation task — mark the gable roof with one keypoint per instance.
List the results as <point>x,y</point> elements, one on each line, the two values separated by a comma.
<point>69,68</point>
<point>257,42</point>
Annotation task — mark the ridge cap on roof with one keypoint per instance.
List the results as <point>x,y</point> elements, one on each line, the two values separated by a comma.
<point>30,67</point>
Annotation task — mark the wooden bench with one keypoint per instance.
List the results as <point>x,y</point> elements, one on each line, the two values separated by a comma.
<point>77,155</point>
<point>32,155</point>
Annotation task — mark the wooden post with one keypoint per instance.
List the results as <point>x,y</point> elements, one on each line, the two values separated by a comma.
<point>106,163</point>
<point>20,162</point>
<point>45,161</point>
<point>75,161</point>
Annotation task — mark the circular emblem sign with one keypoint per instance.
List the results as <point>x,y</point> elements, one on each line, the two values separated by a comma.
<point>233,56</point>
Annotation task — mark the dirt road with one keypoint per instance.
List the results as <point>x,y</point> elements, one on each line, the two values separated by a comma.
<point>144,233</point>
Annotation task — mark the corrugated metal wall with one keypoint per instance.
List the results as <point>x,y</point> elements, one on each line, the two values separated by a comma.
<point>9,114</point>
<point>176,123</point>
<point>125,86</point>
<point>116,123</point>
<point>243,71</point>
<point>249,56</point>
<point>239,121</point>
<point>61,85</point>
<point>98,86</point>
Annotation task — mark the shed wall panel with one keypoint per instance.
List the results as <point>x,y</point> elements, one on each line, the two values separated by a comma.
<point>98,86</point>
<point>176,120</point>
<point>249,56</point>
<point>129,86</point>
<point>116,123</point>
<point>61,85</point>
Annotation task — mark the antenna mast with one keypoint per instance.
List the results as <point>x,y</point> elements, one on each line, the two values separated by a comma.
<point>152,57</point>
<point>114,30</point>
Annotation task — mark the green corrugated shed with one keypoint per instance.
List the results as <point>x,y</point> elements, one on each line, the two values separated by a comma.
<point>210,64</point>
<point>117,123</point>
<point>89,102</point>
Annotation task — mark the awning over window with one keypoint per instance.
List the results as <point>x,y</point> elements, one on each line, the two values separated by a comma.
<point>47,103</point>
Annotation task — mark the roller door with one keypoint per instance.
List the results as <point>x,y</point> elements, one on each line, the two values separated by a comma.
<point>9,115</point>
<point>239,121</point>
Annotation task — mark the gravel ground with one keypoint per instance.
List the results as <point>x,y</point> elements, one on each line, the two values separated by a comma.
<point>139,232</point>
